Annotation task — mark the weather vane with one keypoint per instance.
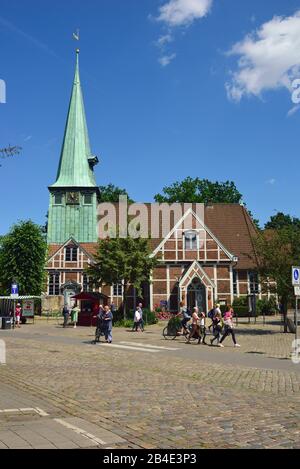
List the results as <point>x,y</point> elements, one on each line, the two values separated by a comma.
<point>76,36</point>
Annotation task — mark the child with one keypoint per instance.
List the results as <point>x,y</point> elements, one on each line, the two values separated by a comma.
<point>202,329</point>
<point>229,328</point>
<point>218,326</point>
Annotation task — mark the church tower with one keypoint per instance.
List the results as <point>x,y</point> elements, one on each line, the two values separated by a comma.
<point>74,195</point>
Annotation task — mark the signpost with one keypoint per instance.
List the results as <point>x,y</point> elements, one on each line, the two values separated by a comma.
<point>296,284</point>
<point>14,294</point>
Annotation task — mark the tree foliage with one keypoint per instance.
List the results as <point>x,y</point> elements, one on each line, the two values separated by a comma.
<point>111,193</point>
<point>200,191</point>
<point>22,258</point>
<point>280,220</point>
<point>277,251</point>
<point>122,260</point>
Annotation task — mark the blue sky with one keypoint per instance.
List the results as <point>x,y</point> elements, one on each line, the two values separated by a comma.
<point>164,96</point>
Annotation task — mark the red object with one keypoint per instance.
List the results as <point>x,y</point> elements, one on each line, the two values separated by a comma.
<point>89,307</point>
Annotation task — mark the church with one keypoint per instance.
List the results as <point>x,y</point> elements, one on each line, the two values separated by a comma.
<point>211,261</point>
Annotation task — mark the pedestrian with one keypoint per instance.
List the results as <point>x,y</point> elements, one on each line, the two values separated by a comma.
<point>66,314</point>
<point>186,317</point>
<point>202,335</point>
<point>141,323</point>
<point>195,324</point>
<point>229,328</point>
<point>217,328</point>
<point>74,315</point>
<point>107,319</point>
<point>136,320</point>
<point>113,307</point>
<point>18,315</point>
<point>212,313</point>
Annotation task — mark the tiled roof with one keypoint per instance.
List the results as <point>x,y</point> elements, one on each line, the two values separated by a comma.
<point>231,224</point>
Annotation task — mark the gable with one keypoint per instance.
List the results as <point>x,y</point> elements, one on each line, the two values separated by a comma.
<point>207,247</point>
<point>56,259</point>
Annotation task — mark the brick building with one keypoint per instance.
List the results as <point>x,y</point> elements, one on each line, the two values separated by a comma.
<point>211,260</point>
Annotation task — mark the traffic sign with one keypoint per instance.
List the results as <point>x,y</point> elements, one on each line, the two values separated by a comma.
<point>14,290</point>
<point>297,291</point>
<point>296,276</point>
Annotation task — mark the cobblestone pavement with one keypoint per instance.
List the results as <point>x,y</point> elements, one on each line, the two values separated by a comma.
<point>146,392</point>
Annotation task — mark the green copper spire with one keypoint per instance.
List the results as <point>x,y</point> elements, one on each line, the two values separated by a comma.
<point>76,160</point>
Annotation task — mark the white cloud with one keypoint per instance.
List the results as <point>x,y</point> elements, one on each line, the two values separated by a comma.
<point>164,40</point>
<point>183,12</point>
<point>166,59</point>
<point>271,181</point>
<point>269,58</point>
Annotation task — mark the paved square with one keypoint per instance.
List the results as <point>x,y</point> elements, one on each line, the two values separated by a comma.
<point>57,390</point>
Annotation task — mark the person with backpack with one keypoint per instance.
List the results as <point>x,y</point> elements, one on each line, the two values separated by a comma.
<point>217,328</point>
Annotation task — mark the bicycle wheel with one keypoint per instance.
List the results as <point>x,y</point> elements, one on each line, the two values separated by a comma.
<point>166,334</point>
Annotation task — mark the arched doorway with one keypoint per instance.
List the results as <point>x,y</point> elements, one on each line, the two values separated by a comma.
<point>196,295</point>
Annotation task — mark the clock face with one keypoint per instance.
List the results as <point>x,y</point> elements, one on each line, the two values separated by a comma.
<point>73,197</point>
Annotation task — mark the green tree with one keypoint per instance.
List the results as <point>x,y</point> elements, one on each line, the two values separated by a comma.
<point>122,260</point>
<point>22,258</point>
<point>111,193</point>
<point>280,220</point>
<point>276,252</point>
<point>200,191</point>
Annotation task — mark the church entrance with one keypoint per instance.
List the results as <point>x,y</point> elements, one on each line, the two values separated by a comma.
<point>196,295</point>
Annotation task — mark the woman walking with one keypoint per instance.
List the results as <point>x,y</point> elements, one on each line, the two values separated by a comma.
<point>229,328</point>
<point>217,328</point>
<point>195,324</point>
<point>107,324</point>
<point>202,329</point>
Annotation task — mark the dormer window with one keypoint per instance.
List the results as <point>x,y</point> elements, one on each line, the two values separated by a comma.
<point>71,253</point>
<point>191,241</point>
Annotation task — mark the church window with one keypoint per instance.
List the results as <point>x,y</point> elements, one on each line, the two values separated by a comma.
<point>85,283</point>
<point>58,199</point>
<point>191,241</point>
<point>117,289</point>
<point>253,283</point>
<point>71,254</point>
<point>87,199</point>
<point>54,280</point>
<point>235,283</point>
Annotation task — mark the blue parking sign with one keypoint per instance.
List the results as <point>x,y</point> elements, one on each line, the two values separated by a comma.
<point>14,290</point>
<point>296,276</point>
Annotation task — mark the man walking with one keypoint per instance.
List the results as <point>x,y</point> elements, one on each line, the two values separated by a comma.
<point>66,314</point>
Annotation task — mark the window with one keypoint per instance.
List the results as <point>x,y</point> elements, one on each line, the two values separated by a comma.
<point>58,199</point>
<point>235,283</point>
<point>85,283</point>
<point>88,199</point>
<point>253,282</point>
<point>191,241</point>
<point>117,289</point>
<point>71,254</point>
<point>54,284</point>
